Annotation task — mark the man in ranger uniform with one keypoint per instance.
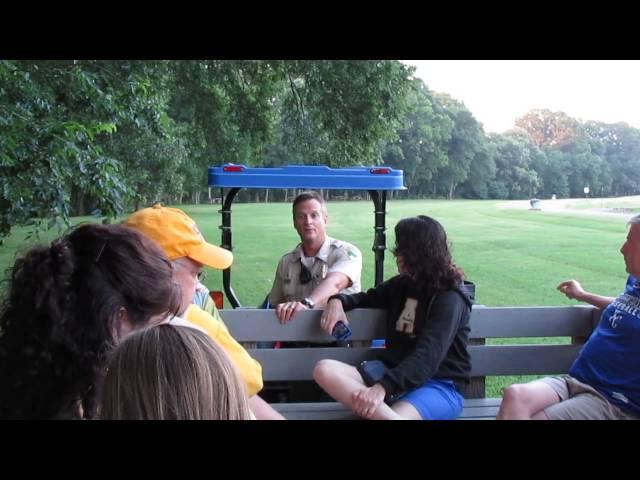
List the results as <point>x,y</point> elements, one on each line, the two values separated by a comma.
<point>320,266</point>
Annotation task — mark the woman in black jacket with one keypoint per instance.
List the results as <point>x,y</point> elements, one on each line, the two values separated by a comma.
<point>425,365</point>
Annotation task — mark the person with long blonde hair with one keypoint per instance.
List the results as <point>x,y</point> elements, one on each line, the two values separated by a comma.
<point>172,372</point>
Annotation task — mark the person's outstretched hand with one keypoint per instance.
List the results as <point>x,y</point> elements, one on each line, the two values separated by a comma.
<point>572,289</point>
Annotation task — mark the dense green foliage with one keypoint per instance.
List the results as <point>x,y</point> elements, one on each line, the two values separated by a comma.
<point>104,137</point>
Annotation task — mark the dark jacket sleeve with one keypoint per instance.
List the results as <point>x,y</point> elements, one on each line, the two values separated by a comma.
<point>378,297</point>
<point>432,345</point>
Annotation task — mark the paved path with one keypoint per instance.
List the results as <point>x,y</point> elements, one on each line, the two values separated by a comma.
<point>560,207</point>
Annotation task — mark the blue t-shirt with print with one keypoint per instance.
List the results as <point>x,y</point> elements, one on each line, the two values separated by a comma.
<point>610,360</point>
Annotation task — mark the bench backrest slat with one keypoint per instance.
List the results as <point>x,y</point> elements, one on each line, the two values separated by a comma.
<point>506,322</point>
<point>297,363</point>
<point>251,325</point>
<point>291,364</point>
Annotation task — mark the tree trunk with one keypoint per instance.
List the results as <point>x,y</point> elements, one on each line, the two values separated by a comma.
<point>79,204</point>
<point>77,201</point>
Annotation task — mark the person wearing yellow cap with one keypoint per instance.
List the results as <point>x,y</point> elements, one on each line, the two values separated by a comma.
<point>180,238</point>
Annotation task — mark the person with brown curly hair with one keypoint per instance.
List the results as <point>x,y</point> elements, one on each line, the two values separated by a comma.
<point>425,367</point>
<point>65,306</point>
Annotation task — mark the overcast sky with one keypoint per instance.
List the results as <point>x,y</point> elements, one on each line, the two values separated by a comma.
<point>499,91</point>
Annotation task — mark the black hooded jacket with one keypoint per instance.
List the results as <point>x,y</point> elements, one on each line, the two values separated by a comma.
<point>420,347</point>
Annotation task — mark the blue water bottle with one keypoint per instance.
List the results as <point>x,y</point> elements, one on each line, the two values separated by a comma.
<point>341,331</point>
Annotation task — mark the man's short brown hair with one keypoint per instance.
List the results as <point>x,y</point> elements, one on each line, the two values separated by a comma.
<point>309,195</point>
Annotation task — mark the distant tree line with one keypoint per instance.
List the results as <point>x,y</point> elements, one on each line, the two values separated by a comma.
<point>104,137</point>
<point>445,153</point>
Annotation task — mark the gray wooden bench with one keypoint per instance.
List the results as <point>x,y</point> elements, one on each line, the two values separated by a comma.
<point>576,322</point>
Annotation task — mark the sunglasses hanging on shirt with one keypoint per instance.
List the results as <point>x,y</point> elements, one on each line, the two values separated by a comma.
<point>305,274</point>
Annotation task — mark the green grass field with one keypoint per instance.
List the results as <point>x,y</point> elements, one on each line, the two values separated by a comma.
<point>515,256</point>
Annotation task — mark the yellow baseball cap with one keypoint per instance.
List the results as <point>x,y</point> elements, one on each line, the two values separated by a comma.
<point>178,235</point>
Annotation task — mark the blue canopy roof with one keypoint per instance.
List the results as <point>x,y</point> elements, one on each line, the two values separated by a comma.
<point>306,176</point>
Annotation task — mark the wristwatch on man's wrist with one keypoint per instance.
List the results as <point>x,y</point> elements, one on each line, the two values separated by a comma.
<point>307,302</point>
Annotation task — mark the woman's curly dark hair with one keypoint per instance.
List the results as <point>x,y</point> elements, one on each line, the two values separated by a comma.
<point>61,308</point>
<point>422,243</point>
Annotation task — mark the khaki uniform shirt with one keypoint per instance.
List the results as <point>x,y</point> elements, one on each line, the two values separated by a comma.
<point>334,256</point>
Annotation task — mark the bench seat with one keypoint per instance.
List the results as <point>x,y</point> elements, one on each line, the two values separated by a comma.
<point>474,409</point>
<point>573,324</point>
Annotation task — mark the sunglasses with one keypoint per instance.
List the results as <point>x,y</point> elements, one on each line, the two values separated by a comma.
<point>305,274</point>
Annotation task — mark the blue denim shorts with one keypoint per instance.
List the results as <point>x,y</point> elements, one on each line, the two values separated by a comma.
<point>436,400</point>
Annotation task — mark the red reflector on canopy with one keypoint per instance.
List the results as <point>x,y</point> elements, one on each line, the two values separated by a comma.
<point>233,168</point>
<point>380,171</point>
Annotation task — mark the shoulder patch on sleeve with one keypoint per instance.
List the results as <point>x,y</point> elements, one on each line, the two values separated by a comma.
<point>351,253</point>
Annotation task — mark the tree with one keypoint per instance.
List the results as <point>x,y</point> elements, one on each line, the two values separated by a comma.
<point>554,173</point>
<point>618,145</point>
<point>105,135</point>
<point>467,140</point>
<point>547,128</point>
<point>421,148</point>
<point>515,156</point>
<point>52,116</point>
<point>340,111</point>
<point>482,171</point>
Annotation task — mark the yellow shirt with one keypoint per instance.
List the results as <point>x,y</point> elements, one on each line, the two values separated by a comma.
<point>249,368</point>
